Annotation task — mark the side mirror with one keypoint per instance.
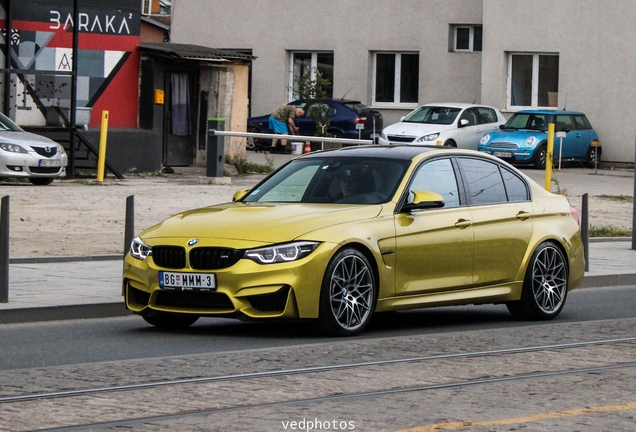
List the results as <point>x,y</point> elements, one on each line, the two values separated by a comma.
<point>424,200</point>
<point>502,126</point>
<point>463,122</point>
<point>239,194</point>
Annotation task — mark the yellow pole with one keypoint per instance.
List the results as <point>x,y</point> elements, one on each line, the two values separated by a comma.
<point>101,159</point>
<point>548,158</point>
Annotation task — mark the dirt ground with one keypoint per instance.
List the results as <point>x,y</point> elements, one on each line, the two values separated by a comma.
<point>84,217</point>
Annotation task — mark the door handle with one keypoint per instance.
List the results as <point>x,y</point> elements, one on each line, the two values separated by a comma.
<point>523,215</point>
<point>463,223</point>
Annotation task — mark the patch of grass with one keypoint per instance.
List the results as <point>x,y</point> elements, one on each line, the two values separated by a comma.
<point>245,167</point>
<point>608,231</point>
<point>620,198</point>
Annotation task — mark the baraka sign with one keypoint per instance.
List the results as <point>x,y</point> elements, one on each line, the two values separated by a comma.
<point>113,17</point>
<point>111,24</point>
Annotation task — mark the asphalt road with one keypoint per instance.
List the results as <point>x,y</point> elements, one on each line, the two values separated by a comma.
<point>100,340</point>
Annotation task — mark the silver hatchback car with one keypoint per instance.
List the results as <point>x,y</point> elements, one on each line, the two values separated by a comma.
<point>27,155</point>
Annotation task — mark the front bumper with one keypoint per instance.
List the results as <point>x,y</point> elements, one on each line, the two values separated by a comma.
<point>282,290</point>
<point>516,155</point>
<point>32,164</point>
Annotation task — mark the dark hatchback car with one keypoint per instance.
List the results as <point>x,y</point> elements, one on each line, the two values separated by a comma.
<point>347,119</point>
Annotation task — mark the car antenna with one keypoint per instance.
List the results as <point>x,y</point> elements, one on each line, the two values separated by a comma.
<point>342,98</point>
<point>566,101</point>
<point>475,100</point>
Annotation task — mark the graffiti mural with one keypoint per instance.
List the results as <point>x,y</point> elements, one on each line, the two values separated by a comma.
<point>41,51</point>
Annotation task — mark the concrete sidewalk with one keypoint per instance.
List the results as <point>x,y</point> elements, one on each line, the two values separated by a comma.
<point>68,288</point>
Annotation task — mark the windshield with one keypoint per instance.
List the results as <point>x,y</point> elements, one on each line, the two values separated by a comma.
<point>344,180</point>
<point>7,124</point>
<point>433,115</point>
<point>528,121</point>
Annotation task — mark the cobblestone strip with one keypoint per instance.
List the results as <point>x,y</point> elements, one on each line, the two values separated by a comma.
<point>331,352</point>
<point>184,398</point>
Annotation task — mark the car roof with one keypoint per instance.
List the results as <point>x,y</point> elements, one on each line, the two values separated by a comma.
<point>549,112</point>
<point>399,152</point>
<point>461,105</point>
<point>342,101</point>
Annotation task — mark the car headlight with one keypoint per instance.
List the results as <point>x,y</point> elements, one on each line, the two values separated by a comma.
<point>430,137</point>
<point>281,253</point>
<point>139,249</point>
<point>383,136</point>
<point>530,141</point>
<point>13,148</point>
<point>484,139</point>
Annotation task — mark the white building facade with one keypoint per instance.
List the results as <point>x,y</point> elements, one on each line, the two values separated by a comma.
<point>396,55</point>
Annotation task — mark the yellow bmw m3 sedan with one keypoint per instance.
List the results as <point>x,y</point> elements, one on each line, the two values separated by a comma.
<point>333,237</point>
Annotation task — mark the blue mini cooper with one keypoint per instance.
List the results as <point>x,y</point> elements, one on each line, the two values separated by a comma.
<point>524,138</point>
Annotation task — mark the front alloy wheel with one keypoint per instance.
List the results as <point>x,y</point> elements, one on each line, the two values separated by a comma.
<point>545,287</point>
<point>348,294</point>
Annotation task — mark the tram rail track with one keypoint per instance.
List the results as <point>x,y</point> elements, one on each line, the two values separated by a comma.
<point>307,370</point>
<point>383,378</point>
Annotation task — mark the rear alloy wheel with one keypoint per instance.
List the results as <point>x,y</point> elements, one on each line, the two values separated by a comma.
<point>593,157</point>
<point>348,294</point>
<point>40,181</point>
<point>169,320</point>
<point>545,287</point>
<point>540,156</point>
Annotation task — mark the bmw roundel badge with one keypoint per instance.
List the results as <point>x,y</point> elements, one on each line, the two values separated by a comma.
<point>193,242</point>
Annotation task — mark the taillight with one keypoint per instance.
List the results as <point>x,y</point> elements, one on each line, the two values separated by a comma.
<point>360,120</point>
<point>575,215</point>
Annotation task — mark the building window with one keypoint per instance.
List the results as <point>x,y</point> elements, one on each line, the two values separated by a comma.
<point>533,80</point>
<point>467,37</point>
<point>146,7</point>
<point>396,78</point>
<point>310,63</point>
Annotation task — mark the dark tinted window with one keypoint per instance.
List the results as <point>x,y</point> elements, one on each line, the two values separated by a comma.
<point>486,115</point>
<point>564,122</point>
<point>582,122</point>
<point>516,189</point>
<point>485,185</point>
<point>437,176</point>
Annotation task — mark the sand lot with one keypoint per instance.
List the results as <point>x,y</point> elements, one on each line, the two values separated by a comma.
<point>84,217</point>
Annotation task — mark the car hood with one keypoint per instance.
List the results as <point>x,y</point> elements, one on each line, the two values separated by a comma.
<point>26,138</point>
<point>516,136</point>
<point>256,222</point>
<point>415,129</point>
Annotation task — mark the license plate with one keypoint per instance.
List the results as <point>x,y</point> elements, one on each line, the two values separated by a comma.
<point>187,281</point>
<point>49,163</point>
<point>502,154</point>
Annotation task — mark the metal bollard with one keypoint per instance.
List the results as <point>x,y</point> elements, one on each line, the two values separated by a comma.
<point>129,231</point>
<point>4,250</point>
<point>585,232</point>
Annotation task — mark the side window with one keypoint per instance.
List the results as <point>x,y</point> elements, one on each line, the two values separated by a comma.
<point>437,176</point>
<point>564,122</point>
<point>470,115</point>
<point>485,185</point>
<point>582,122</point>
<point>516,188</point>
<point>486,115</point>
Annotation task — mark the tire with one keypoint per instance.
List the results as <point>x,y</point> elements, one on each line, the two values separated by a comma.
<point>257,144</point>
<point>593,157</point>
<point>545,287</point>
<point>348,294</point>
<point>450,143</point>
<point>168,320</point>
<point>40,181</point>
<point>540,157</point>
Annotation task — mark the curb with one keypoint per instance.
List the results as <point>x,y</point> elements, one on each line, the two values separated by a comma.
<point>60,313</point>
